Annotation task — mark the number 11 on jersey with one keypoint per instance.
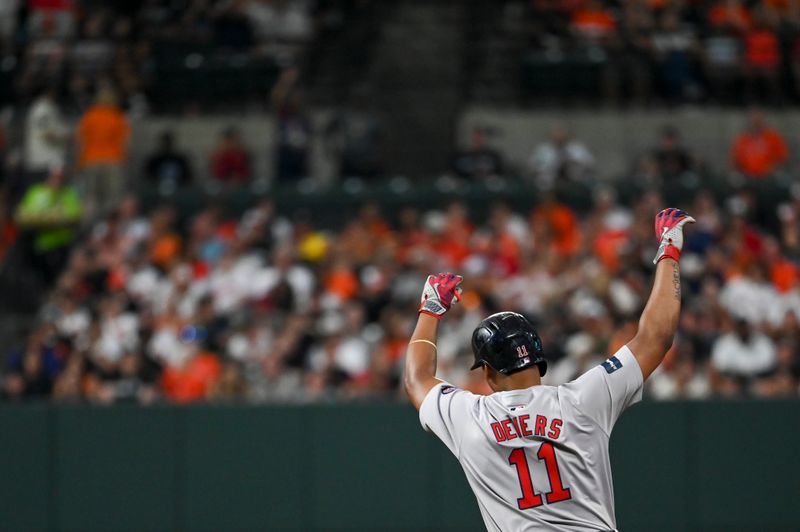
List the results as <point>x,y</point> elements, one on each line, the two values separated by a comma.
<point>530,499</point>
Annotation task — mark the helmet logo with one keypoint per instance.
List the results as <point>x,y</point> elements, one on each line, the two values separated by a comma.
<point>522,351</point>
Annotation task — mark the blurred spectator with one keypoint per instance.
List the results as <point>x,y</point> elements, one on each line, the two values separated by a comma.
<point>721,60</point>
<point>194,380</point>
<point>556,227</point>
<point>8,229</point>
<point>49,213</point>
<point>5,118</point>
<point>294,127</point>
<point>671,156</point>
<point>740,357</point>
<point>31,370</point>
<point>127,384</point>
<point>479,160</point>
<point>788,214</point>
<point>751,297</point>
<point>93,53</point>
<point>784,381</point>
<point>730,15</point>
<point>763,60</point>
<point>30,380</point>
<point>167,167</point>
<point>69,385</point>
<point>354,137</point>
<point>560,159</point>
<point>674,48</point>
<point>102,138</point>
<point>594,32</point>
<point>8,21</point>
<point>51,18</point>
<point>634,57</point>
<point>679,379</point>
<point>593,22</point>
<point>610,229</point>
<point>230,386</point>
<point>46,136</point>
<point>232,29</point>
<point>117,334</point>
<point>281,20</point>
<point>230,162</point>
<point>759,150</point>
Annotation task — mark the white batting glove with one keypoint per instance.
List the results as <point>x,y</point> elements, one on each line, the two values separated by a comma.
<point>440,292</point>
<point>669,232</point>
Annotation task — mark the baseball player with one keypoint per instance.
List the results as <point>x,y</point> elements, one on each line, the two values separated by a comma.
<point>537,456</point>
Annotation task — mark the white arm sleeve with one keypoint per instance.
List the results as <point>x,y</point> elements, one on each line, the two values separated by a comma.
<point>605,391</point>
<point>446,412</point>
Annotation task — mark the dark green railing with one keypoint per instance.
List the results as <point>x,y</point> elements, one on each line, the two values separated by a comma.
<point>331,204</point>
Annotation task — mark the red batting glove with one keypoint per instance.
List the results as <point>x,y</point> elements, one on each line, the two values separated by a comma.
<point>440,292</point>
<point>669,232</point>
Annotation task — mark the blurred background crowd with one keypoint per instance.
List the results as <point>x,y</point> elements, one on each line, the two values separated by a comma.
<point>148,258</point>
<point>641,51</point>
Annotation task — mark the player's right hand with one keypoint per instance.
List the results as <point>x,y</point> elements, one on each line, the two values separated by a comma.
<point>669,232</point>
<point>440,291</point>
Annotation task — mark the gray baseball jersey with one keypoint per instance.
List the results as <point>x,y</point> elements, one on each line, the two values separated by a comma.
<point>537,459</point>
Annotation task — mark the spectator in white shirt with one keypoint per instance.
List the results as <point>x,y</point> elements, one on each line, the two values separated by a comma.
<point>119,333</point>
<point>684,380</point>
<point>560,158</point>
<point>752,298</point>
<point>281,20</point>
<point>46,135</point>
<point>740,357</point>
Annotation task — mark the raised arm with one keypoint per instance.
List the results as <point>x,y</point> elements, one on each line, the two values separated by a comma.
<point>419,377</point>
<point>659,320</point>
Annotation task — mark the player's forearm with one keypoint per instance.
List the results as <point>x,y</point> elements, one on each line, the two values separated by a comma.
<point>660,316</point>
<point>440,291</point>
<point>659,320</point>
<point>420,368</point>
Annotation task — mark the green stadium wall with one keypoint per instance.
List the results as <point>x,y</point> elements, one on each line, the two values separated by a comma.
<point>710,466</point>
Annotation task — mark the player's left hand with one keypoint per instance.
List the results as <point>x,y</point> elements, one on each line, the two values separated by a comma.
<point>440,291</point>
<point>669,231</point>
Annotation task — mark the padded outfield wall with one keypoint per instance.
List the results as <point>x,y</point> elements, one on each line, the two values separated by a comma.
<point>724,466</point>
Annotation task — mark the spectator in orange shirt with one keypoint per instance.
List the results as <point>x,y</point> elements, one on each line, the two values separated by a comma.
<point>730,15</point>
<point>762,56</point>
<point>342,281</point>
<point>783,273</point>
<point>556,225</point>
<point>780,7</point>
<point>759,150</point>
<point>593,21</point>
<point>164,244</point>
<point>194,381</point>
<point>102,137</point>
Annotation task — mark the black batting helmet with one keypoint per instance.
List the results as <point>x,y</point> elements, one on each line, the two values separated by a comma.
<point>507,343</point>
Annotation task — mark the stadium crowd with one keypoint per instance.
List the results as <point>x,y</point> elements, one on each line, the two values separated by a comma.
<point>650,50</point>
<point>73,46</point>
<point>264,307</point>
<point>722,51</point>
<point>146,304</point>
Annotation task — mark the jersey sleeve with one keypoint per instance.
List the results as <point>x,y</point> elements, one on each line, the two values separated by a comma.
<point>446,412</point>
<point>605,391</point>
